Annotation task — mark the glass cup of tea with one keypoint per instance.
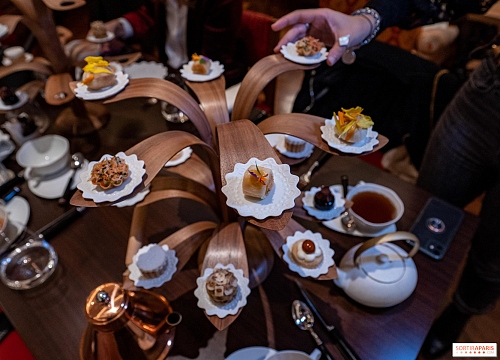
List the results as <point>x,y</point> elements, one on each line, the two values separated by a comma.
<point>375,207</point>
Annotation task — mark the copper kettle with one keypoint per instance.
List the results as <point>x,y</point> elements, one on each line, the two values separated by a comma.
<point>127,324</point>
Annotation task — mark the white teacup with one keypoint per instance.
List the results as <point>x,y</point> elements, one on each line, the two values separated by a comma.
<point>295,355</point>
<point>14,52</point>
<point>364,224</point>
<point>43,156</point>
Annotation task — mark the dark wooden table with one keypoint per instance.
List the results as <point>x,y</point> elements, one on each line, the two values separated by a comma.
<point>50,318</point>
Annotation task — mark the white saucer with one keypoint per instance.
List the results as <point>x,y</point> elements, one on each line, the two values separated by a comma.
<point>146,69</point>
<point>185,154</point>
<point>134,199</point>
<point>53,186</point>
<point>216,70</point>
<point>289,51</point>
<point>338,208</point>
<point>278,141</point>
<point>252,353</point>
<point>4,29</point>
<point>23,99</point>
<point>27,58</point>
<point>336,225</point>
<point>109,36</point>
<point>18,211</point>
<point>329,135</point>
<point>82,92</point>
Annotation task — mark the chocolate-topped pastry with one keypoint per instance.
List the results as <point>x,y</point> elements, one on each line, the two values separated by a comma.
<point>324,199</point>
<point>8,96</point>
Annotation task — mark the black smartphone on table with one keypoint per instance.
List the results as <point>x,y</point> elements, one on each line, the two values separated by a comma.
<point>436,226</point>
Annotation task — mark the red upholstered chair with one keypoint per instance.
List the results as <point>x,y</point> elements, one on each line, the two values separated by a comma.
<point>257,35</point>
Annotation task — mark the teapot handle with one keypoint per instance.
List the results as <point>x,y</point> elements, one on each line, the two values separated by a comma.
<point>398,235</point>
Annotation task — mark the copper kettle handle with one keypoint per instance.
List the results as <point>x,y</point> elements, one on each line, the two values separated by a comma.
<point>394,236</point>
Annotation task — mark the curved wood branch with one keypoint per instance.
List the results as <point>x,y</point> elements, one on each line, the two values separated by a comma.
<point>195,169</point>
<point>57,90</point>
<point>239,141</point>
<point>226,247</point>
<point>40,67</point>
<point>212,98</point>
<point>39,18</point>
<point>171,93</point>
<point>63,5</point>
<point>187,240</point>
<point>259,75</point>
<point>166,187</point>
<point>307,127</point>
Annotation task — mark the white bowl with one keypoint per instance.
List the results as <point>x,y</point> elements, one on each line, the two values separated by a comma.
<point>14,52</point>
<point>43,156</point>
<point>371,227</point>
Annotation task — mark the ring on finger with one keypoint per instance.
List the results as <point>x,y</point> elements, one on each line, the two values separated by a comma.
<point>344,40</point>
<point>308,26</point>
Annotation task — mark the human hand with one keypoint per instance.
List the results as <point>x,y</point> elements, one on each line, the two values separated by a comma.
<point>325,24</point>
<point>114,26</point>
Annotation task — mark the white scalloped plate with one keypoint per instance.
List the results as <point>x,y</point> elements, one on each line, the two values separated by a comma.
<point>338,208</point>
<point>95,193</point>
<point>289,51</point>
<point>216,70</point>
<point>82,92</point>
<point>280,146</point>
<point>134,199</point>
<point>23,99</point>
<point>184,155</point>
<point>279,199</point>
<point>318,241</point>
<point>109,36</point>
<point>146,69</point>
<point>329,135</point>
<point>230,308</point>
<point>136,276</point>
<point>336,225</point>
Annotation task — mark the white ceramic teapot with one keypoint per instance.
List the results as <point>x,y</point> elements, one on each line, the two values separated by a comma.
<point>378,273</point>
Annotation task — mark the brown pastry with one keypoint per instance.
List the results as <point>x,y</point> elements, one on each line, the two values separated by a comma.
<point>153,262</point>
<point>222,286</point>
<point>201,64</point>
<point>98,74</point>
<point>305,253</point>
<point>98,30</point>
<point>308,46</point>
<point>294,144</point>
<point>109,173</point>
<point>257,181</point>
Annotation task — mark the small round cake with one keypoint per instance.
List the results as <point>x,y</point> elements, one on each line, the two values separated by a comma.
<point>98,29</point>
<point>222,286</point>
<point>294,144</point>
<point>305,253</point>
<point>153,262</point>
<point>324,199</point>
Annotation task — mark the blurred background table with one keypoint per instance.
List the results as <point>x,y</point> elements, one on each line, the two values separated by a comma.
<point>50,318</point>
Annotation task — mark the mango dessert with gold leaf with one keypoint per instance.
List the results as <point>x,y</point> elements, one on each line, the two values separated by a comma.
<point>98,74</point>
<point>201,64</point>
<point>351,125</point>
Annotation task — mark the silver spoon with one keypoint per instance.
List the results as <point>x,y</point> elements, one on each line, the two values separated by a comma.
<point>77,160</point>
<point>304,319</point>
<point>347,220</point>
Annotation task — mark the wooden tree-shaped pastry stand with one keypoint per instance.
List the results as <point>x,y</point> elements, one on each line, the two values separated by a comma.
<point>223,143</point>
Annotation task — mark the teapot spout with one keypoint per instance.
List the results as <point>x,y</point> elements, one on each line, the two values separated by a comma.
<point>341,278</point>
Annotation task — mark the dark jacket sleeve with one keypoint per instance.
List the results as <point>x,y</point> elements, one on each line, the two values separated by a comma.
<point>412,13</point>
